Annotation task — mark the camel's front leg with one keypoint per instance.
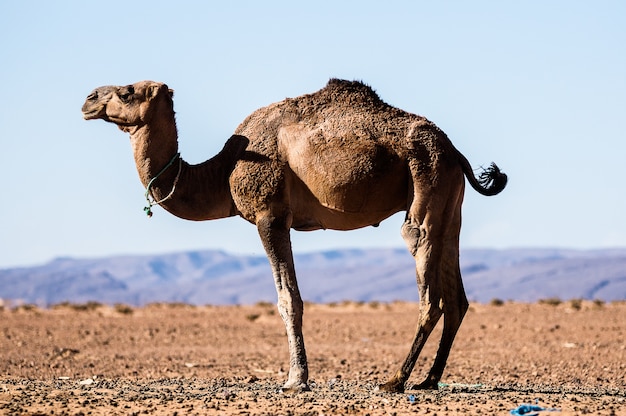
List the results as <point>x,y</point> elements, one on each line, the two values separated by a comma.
<point>274,233</point>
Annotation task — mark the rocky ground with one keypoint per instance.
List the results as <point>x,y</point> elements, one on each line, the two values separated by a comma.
<point>180,359</point>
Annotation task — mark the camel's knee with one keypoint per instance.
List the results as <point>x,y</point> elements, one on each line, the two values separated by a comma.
<point>456,304</point>
<point>290,305</point>
<point>454,314</point>
<point>430,312</point>
<point>463,306</point>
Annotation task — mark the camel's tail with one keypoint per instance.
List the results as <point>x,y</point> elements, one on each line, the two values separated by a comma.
<point>491,181</point>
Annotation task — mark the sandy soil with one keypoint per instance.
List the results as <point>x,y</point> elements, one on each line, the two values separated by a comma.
<point>179,359</point>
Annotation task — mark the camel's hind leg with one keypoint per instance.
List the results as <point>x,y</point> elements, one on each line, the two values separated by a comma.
<point>427,257</point>
<point>455,306</point>
<point>431,231</point>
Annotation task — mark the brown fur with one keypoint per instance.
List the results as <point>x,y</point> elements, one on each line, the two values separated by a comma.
<point>339,158</point>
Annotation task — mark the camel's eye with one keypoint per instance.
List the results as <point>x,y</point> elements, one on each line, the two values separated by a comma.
<point>127,94</point>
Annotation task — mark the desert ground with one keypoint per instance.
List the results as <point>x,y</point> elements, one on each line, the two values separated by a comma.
<point>175,359</point>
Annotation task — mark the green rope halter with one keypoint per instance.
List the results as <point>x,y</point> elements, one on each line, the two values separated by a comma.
<point>149,198</point>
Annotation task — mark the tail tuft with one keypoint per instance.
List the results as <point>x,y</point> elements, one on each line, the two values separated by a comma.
<point>492,180</point>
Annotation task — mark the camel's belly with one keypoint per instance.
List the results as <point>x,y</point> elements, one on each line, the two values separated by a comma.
<point>361,203</point>
<point>325,218</point>
<point>346,175</point>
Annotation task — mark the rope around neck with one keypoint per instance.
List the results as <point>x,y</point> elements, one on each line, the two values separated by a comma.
<point>150,198</point>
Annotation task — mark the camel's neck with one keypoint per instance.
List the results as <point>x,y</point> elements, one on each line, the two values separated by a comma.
<point>201,191</point>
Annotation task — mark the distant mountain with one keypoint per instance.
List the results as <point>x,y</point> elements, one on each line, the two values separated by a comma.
<point>216,277</point>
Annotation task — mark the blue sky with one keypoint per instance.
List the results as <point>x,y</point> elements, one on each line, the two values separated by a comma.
<point>539,87</point>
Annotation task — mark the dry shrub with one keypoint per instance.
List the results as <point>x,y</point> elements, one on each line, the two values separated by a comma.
<point>253,317</point>
<point>346,303</point>
<point>496,302</point>
<point>27,307</point>
<point>123,309</point>
<point>80,307</point>
<point>61,305</point>
<point>180,305</point>
<point>576,304</point>
<point>550,301</point>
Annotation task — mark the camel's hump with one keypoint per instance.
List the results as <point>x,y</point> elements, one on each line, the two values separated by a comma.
<point>341,89</point>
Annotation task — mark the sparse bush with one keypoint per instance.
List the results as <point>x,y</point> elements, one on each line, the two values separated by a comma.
<point>576,304</point>
<point>252,317</point>
<point>27,307</point>
<point>550,301</point>
<point>180,305</point>
<point>348,303</point>
<point>598,303</point>
<point>89,306</point>
<point>496,302</point>
<point>123,309</point>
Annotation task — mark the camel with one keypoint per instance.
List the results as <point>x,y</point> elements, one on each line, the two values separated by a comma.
<point>340,159</point>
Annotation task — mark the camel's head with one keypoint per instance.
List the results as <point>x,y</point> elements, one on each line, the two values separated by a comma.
<point>130,105</point>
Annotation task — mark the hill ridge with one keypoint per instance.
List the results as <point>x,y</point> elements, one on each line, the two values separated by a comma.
<point>218,277</point>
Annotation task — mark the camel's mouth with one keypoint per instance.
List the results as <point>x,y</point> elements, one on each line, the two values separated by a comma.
<point>93,109</point>
<point>92,114</point>
<point>95,104</point>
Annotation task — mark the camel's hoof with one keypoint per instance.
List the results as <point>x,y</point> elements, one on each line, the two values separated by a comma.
<point>393,386</point>
<point>295,388</point>
<point>426,385</point>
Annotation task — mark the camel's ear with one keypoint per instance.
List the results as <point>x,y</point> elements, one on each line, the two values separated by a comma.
<point>152,91</point>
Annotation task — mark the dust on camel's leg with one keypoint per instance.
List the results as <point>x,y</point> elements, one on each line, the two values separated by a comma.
<point>421,236</point>
<point>274,232</point>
